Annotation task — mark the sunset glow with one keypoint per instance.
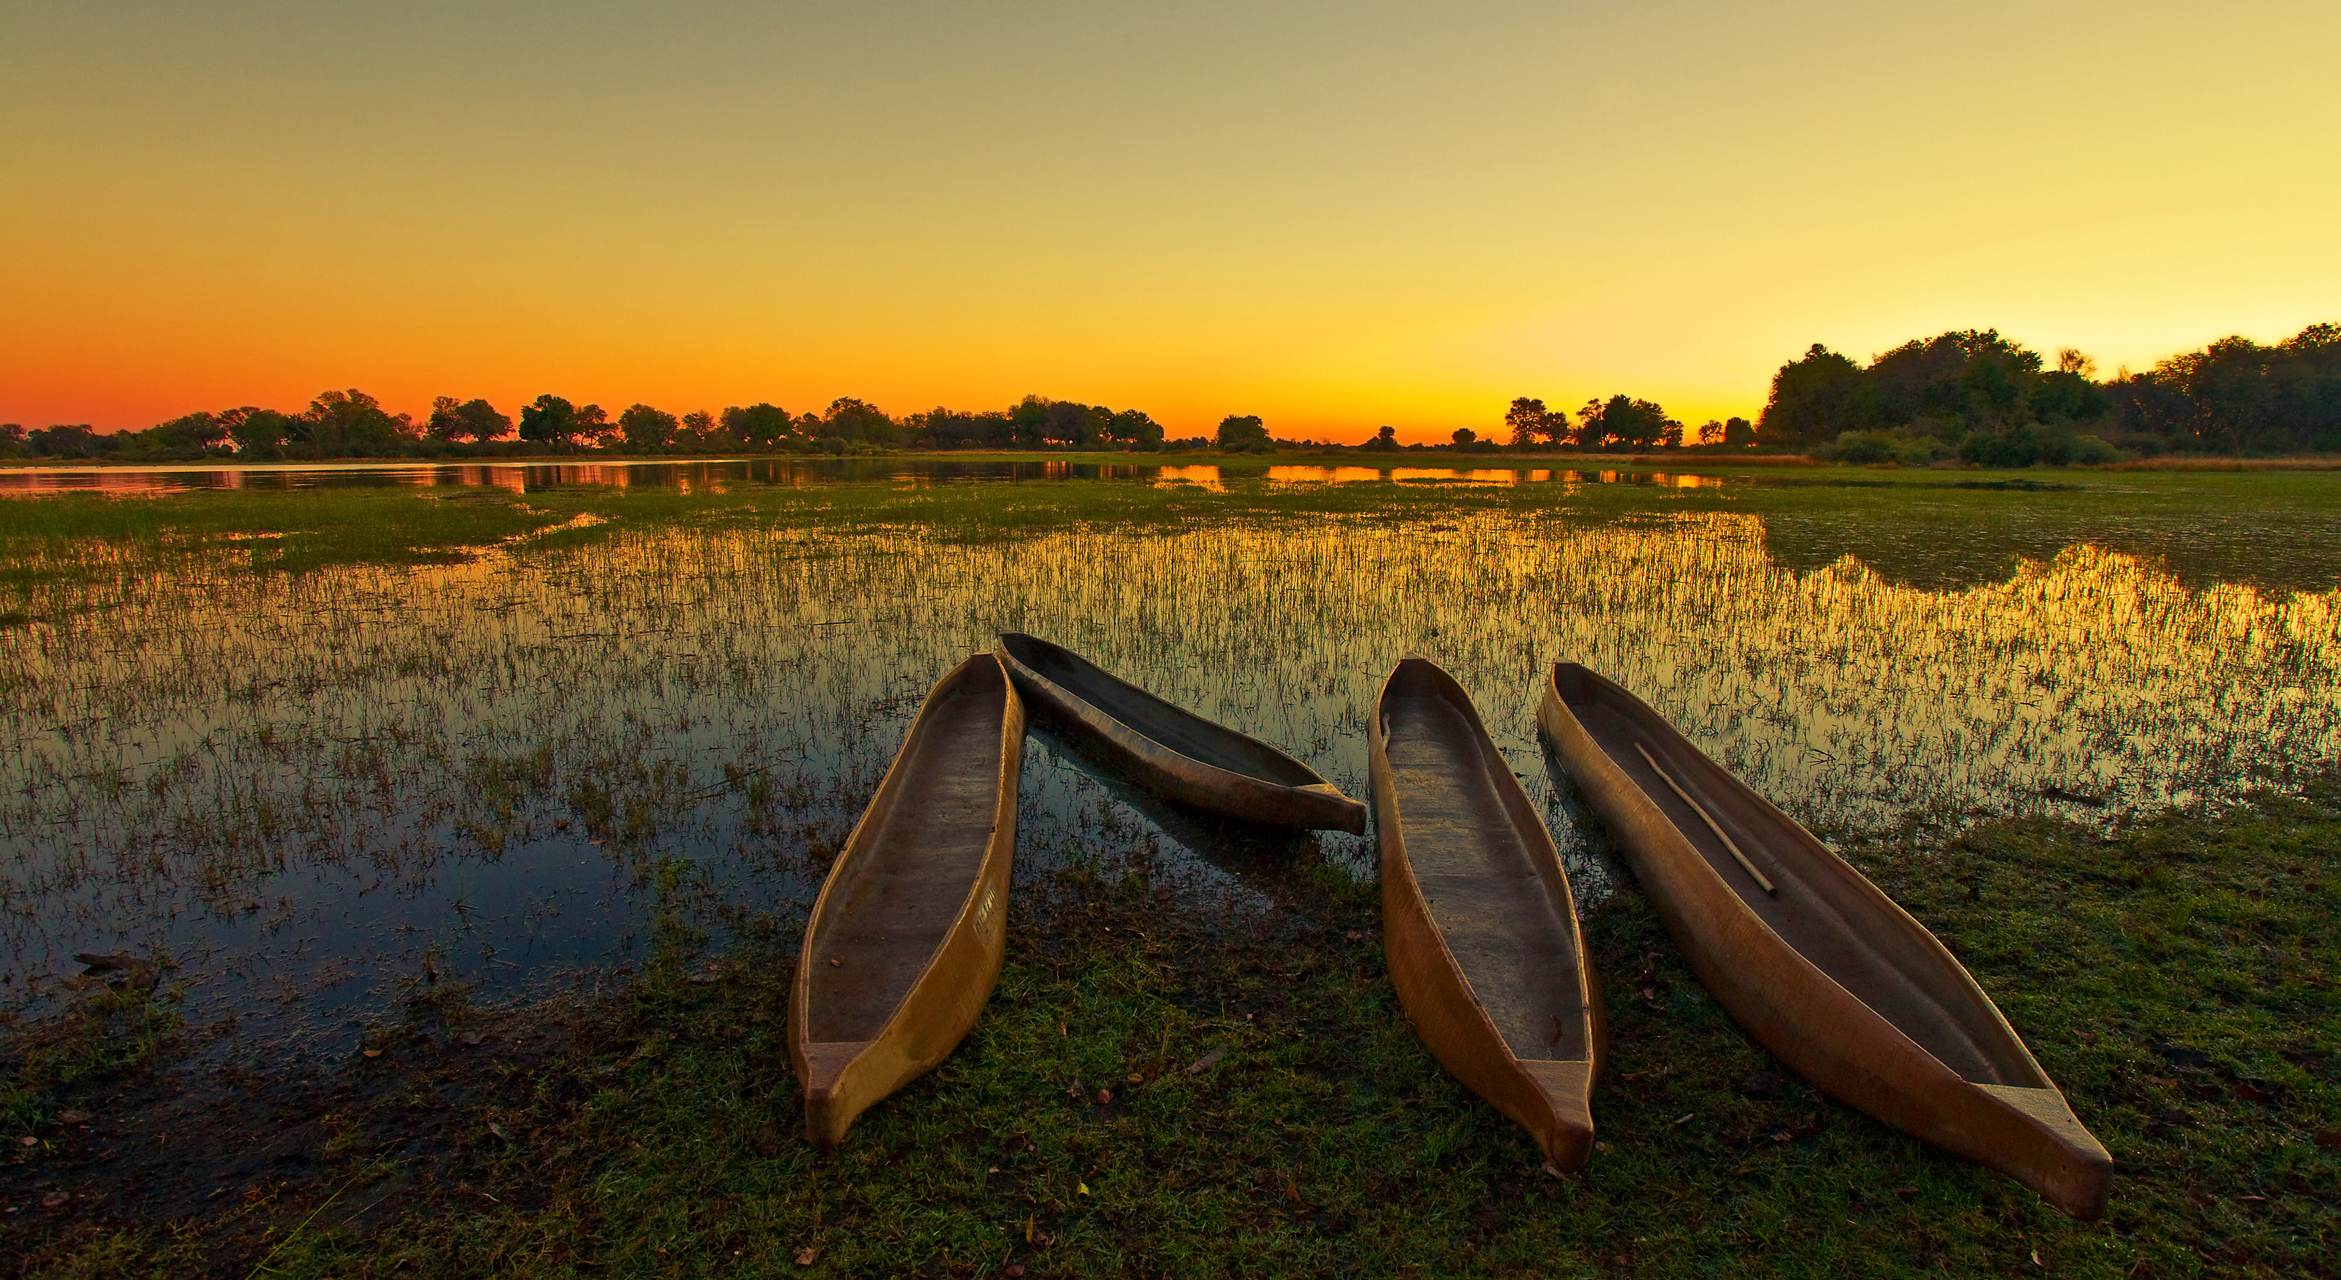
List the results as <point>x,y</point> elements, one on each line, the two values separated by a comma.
<point>1330,216</point>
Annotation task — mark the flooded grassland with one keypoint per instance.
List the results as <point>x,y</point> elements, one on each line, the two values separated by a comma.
<point>308,797</point>
<point>307,789</point>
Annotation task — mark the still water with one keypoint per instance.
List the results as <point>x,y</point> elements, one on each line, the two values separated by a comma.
<point>306,787</point>
<point>689,476</point>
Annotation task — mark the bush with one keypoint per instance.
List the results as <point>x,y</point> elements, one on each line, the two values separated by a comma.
<point>1860,448</point>
<point>2091,451</point>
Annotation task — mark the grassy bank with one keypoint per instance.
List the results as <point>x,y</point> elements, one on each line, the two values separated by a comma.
<point>1158,1089</point>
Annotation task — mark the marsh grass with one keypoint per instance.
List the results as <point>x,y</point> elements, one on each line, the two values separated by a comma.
<point>305,783</point>
<point>603,732</point>
<point>2173,975</point>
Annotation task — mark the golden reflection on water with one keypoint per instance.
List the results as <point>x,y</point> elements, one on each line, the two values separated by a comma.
<point>1205,475</point>
<point>300,783</point>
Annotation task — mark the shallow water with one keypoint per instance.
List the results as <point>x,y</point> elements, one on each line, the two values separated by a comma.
<point>307,787</point>
<point>691,475</point>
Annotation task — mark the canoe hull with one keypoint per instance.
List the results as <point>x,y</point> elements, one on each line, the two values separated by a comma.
<point>1550,1098</point>
<point>1172,773</point>
<point>843,1077</point>
<point>1798,1011</point>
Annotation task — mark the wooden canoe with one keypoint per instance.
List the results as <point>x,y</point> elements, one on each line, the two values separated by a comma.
<point>1259,856</point>
<point>1823,969</point>
<point>905,941</point>
<point>1170,750</point>
<point>1477,919</point>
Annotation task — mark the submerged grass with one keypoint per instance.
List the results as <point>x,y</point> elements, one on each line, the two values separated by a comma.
<point>1930,528</point>
<point>2173,972</point>
<point>1151,1093</point>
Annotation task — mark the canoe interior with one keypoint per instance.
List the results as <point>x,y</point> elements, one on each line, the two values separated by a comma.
<point>914,861</point>
<point>1488,873</point>
<point>1181,730</point>
<point>1825,909</point>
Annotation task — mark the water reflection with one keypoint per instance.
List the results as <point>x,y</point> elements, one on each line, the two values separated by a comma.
<point>1205,476</point>
<point>305,785</point>
<point>796,472</point>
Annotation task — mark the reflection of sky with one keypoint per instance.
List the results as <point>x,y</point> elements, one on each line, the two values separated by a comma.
<point>792,471</point>
<point>303,785</point>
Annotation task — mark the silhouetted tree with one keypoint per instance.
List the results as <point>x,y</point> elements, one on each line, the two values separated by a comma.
<point>758,424</point>
<point>647,430</point>
<point>1812,399</point>
<point>550,421</point>
<point>1243,434</point>
<point>474,420</point>
<point>260,433</point>
<point>857,422</point>
<point>1134,430</point>
<point>1624,423</point>
<point>2236,396</point>
<point>1532,424</point>
<point>350,424</point>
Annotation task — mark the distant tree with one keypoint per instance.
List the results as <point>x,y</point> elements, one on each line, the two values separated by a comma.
<point>758,424</point>
<point>258,433</point>
<point>350,424</point>
<point>444,423</point>
<point>1385,440</point>
<point>699,431</point>
<point>1464,436</point>
<point>474,420</point>
<point>549,421</point>
<point>1134,430</point>
<point>594,426</point>
<point>2073,360</point>
<point>1711,432</point>
<point>1624,423</point>
<point>1739,433</point>
<point>647,430</point>
<point>1812,398</point>
<point>67,440</point>
<point>1243,434</point>
<point>857,421</point>
<point>11,439</point>
<point>191,436</point>
<point>1527,420</point>
<point>2236,396</point>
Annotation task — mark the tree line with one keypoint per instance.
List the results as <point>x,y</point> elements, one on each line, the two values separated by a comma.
<point>1620,424</point>
<point>352,424</point>
<point>1970,395</point>
<point>1980,398</point>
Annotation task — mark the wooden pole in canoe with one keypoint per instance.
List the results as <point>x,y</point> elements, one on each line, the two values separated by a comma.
<point>1745,865</point>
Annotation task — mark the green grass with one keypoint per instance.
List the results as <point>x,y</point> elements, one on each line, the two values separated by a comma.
<point>2175,976</point>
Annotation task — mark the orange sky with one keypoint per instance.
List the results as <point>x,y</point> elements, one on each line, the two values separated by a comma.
<point>1332,215</point>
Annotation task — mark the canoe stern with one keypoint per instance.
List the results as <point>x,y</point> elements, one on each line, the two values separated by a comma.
<point>2062,1160</point>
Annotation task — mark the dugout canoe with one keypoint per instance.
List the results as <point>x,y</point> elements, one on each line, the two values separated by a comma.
<point>1259,856</point>
<point>1477,919</point>
<point>905,941</point>
<point>1817,963</point>
<point>1169,749</point>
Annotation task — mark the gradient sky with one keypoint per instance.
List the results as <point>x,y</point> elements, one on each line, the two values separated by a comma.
<point>1332,215</point>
